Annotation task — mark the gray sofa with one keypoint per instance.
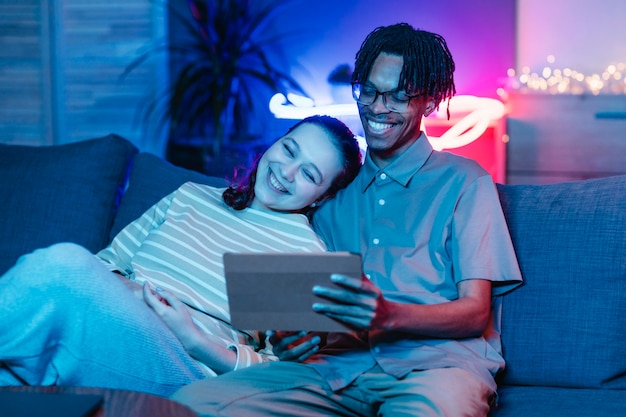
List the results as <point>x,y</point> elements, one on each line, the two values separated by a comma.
<point>564,331</point>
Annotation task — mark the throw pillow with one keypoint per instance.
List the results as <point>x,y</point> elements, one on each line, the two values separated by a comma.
<point>63,193</point>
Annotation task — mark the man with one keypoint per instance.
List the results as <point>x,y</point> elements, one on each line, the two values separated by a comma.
<point>436,255</point>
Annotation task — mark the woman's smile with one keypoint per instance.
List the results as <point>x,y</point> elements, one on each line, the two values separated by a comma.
<point>275,183</point>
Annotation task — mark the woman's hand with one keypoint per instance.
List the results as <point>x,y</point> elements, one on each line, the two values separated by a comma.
<point>133,286</point>
<point>293,346</point>
<point>174,314</point>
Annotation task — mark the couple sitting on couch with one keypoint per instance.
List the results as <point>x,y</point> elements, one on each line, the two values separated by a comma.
<point>428,224</point>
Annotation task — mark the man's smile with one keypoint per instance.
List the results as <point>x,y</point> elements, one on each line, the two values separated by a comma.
<point>379,127</point>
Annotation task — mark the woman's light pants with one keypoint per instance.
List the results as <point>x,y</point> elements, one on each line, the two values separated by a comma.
<point>65,319</point>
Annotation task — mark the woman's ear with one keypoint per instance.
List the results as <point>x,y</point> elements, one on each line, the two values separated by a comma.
<point>319,202</point>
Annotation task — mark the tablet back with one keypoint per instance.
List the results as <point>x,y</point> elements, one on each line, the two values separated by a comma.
<point>273,291</point>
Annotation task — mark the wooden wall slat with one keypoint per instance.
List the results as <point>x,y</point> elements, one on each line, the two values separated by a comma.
<point>60,67</point>
<point>21,72</point>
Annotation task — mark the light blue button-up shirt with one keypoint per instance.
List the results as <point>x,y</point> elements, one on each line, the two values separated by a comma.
<point>422,224</point>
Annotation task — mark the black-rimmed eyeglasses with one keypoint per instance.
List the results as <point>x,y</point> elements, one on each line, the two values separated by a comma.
<point>396,101</point>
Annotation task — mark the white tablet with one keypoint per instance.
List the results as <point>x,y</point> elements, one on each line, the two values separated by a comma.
<point>274,291</point>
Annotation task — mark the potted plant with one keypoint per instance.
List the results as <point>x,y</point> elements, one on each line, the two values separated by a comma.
<point>227,54</point>
<point>340,83</point>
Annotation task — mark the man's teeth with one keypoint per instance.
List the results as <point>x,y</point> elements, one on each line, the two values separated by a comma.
<point>379,126</point>
<point>276,184</point>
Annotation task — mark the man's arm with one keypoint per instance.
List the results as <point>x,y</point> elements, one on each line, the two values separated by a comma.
<point>361,305</point>
<point>365,308</point>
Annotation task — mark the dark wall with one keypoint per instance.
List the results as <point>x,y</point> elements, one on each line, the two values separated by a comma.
<point>323,34</point>
<point>480,35</point>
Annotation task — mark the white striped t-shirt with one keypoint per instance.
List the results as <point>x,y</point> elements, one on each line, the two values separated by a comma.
<point>178,245</point>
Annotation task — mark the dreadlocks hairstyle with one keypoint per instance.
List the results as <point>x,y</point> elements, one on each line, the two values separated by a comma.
<point>241,193</point>
<point>428,65</point>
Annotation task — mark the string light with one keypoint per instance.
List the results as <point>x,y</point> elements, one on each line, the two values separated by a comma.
<point>551,80</point>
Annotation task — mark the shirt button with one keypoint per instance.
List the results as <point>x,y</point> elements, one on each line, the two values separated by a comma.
<point>383,176</point>
<point>381,202</point>
<point>376,241</point>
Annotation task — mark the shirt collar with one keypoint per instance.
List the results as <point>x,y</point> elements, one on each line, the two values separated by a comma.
<point>402,169</point>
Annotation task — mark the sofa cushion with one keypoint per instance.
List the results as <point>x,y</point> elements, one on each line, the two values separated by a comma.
<point>551,401</point>
<point>152,178</point>
<point>566,326</point>
<point>60,193</point>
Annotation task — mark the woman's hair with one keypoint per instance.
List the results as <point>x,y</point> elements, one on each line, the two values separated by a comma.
<point>241,193</point>
<point>428,66</point>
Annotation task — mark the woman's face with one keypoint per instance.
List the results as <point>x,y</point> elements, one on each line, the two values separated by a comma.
<point>296,170</point>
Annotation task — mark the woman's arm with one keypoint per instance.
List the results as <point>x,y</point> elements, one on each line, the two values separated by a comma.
<point>119,254</point>
<point>197,343</point>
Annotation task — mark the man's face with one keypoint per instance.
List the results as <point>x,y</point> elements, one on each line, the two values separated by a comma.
<point>389,133</point>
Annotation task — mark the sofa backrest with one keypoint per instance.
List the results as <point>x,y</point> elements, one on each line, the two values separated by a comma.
<point>64,193</point>
<point>567,325</point>
<point>82,192</point>
<point>152,178</point>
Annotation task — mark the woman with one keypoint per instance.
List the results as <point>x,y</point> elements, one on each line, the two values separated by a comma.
<point>65,321</point>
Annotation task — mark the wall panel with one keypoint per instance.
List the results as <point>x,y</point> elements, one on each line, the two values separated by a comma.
<point>61,63</point>
<point>23,72</point>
